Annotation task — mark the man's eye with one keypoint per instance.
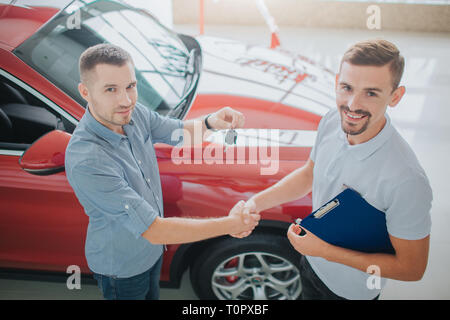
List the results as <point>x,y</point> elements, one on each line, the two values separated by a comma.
<point>346,88</point>
<point>371,94</point>
<point>131,86</point>
<point>110,89</point>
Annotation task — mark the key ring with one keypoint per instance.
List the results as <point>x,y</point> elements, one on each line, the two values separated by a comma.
<point>230,136</point>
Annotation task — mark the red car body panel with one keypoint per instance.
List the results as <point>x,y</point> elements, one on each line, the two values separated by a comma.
<point>258,113</point>
<point>42,224</point>
<point>24,22</point>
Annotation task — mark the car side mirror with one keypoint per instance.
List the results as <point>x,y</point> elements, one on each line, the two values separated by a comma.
<point>46,155</point>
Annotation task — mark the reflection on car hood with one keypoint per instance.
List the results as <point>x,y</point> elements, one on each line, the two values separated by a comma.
<point>271,74</point>
<point>267,137</point>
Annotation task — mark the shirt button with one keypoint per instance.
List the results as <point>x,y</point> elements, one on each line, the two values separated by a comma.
<point>148,180</point>
<point>139,161</point>
<point>127,207</point>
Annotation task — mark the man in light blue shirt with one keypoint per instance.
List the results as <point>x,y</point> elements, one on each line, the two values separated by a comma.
<point>357,146</point>
<point>112,168</point>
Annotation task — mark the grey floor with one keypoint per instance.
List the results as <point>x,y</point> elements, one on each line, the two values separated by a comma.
<point>53,290</point>
<point>422,118</point>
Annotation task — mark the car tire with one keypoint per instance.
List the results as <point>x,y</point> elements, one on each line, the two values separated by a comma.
<point>259,267</point>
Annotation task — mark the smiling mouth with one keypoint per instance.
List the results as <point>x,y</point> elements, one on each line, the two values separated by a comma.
<point>354,117</point>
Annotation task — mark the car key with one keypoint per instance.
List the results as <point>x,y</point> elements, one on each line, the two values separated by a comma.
<point>230,138</point>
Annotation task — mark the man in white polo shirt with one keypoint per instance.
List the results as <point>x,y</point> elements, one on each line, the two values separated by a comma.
<point>358,147</point>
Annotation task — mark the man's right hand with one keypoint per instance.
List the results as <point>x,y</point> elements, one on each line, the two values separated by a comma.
<point>245,220</point>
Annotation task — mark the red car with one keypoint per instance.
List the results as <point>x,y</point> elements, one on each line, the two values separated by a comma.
<point>42,224</point>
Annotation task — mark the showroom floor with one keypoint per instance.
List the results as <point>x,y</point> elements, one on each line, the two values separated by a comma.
<point>427,79</point>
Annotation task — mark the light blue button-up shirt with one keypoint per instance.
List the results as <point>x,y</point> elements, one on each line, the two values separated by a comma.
<point>116,179</point>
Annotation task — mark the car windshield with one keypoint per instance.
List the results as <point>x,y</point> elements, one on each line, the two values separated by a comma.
<point>162,61</point>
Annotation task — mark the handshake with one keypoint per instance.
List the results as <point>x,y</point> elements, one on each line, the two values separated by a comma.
<point>246,218</point>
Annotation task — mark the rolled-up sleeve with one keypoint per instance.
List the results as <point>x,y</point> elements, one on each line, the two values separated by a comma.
<point>103,190</point>
<point>165,129</point>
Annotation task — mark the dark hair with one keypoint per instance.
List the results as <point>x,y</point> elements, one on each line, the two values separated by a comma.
<point>102,53</point>
<point>377,52</point>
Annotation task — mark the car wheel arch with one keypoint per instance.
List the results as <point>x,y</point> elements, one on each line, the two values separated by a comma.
<point>185,255</point>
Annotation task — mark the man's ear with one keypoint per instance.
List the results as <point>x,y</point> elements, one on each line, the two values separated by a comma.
<point>397,96</point>
<point>336,81</point>
<point>84,92</point>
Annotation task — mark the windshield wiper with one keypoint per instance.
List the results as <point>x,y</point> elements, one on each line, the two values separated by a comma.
<point>171,48</point>
<point>179,64</point>
<point>190,70</point>
<point>190,64</point>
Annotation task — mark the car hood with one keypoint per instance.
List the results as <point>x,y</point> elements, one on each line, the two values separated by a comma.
<point>277,75</point>
<point>261,145</point>
<point>267,137</point>
<point>252,146</point>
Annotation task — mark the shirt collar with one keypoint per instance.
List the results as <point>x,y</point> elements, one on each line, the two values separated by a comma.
<point>366,149</point>
<point>99,129</point>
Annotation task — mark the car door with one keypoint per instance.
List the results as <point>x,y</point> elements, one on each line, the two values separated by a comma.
<point>42,224</point>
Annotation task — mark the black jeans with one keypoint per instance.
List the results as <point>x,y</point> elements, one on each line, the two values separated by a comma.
<point>312,287</point>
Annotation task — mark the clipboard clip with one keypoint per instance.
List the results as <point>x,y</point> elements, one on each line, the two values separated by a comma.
<point>326,208</point>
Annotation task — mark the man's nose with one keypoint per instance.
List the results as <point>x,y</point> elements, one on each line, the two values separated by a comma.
<point>354,102</point>
<point>125,99</point>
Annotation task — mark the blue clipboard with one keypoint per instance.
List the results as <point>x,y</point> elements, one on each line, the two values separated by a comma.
<point>350,222</point>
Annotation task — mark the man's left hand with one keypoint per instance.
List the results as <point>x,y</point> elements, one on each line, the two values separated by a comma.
<point>226,118</point>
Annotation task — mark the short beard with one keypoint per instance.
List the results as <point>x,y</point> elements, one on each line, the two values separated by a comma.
<point>344,109</point>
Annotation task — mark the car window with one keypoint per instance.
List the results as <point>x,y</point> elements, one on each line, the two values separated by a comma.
<point>160,57</point>
<point>24,118</point>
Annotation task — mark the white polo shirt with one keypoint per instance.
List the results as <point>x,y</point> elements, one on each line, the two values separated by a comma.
<point>387,174</point>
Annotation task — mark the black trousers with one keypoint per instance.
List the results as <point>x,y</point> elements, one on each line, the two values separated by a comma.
<point>312,287</point>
